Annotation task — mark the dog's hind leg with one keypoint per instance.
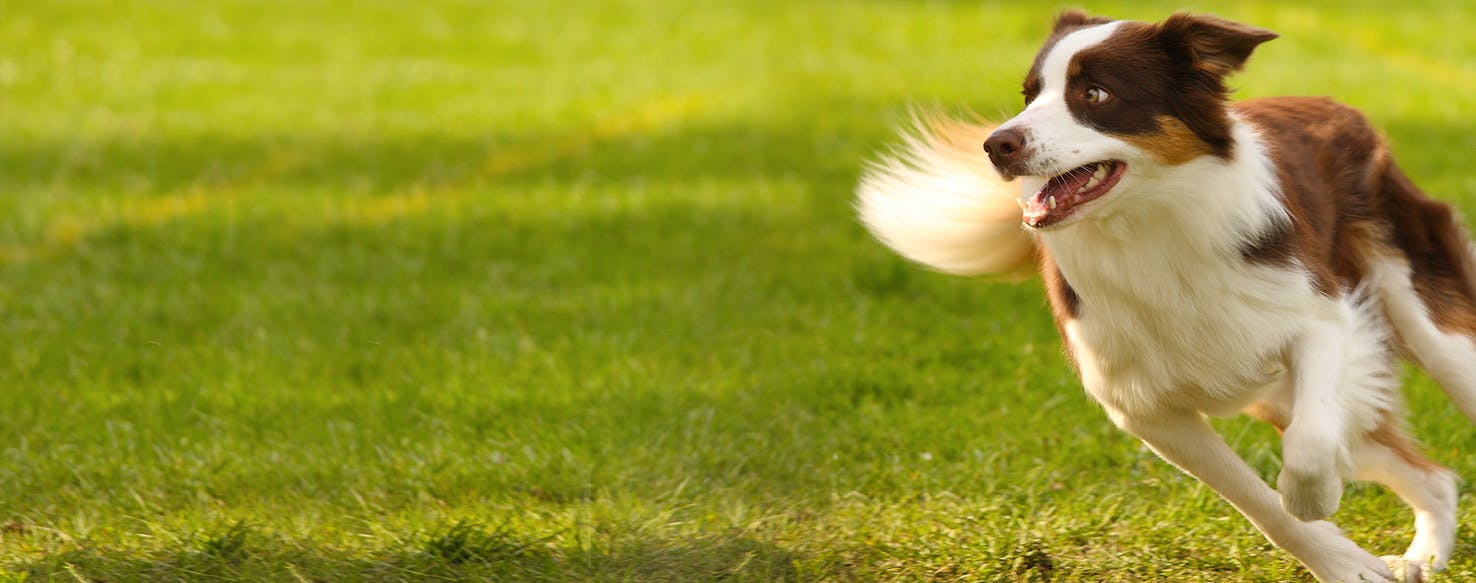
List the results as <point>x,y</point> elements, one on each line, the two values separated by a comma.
<point>1447,353</point>
<point>1425,273</point>
<point>1390,457</point>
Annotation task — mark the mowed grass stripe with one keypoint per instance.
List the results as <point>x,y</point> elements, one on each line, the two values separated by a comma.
<point>67,230</point>
<point>524,291</point>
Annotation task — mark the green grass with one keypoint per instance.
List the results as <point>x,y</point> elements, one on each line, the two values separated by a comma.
<point>332,290</point>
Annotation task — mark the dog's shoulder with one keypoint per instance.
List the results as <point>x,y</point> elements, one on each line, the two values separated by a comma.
<point>1297,123</point>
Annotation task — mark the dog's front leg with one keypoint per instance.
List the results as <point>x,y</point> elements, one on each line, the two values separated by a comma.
<point>1185,440</point>
<point>1313,452</point>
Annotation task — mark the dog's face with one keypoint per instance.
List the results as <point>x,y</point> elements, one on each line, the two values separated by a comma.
<point>1109,103</point>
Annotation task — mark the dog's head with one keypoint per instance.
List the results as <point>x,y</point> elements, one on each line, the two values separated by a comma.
<point>1109,102</point>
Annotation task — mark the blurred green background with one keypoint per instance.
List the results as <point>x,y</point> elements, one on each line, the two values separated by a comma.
<point>329,290</point>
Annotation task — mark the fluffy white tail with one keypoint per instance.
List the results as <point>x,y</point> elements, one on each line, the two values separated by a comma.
<point>937,201</point>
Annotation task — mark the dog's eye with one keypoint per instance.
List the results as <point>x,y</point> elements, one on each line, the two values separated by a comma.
<point>1097,95</point>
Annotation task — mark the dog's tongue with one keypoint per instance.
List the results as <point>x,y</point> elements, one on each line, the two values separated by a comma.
<point>1055,199</point>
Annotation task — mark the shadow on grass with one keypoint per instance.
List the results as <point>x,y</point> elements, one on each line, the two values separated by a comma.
<point>460,552</point>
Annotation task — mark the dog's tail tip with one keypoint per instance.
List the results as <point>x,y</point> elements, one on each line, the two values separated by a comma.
<point>935,200</point>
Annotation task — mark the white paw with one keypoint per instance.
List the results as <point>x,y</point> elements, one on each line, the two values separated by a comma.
<point>1333,558</point>
<point>1435,529</point>
<point>1428,555</point>
<point>1364,570</point>
<point>1311,495</point>
<point>1404,570</point>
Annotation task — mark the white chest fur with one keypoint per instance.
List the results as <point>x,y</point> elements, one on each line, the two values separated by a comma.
<point>1157,329</point>
<point>1171,313</point>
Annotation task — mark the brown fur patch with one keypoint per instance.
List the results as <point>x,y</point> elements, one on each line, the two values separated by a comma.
<point>1073,69</point>
<point>1069,20</point>
<point>1443,269</point>
<point>1391,434</point>
<point>1216,46</point>
<point>1326,155</point>
<point>1350,204</point>
<point>1174,144</point>
<point>1174,69</point>
<point>1065,304</point>
<point>1062,297</point>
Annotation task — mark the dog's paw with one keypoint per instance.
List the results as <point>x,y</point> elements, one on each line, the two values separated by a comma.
<point>1333,558</point>
<point>1309,495</point>
<point>1435,531</point>
<point>1427,554</point>
<point>1364,570</point>
<point>1404,570</point>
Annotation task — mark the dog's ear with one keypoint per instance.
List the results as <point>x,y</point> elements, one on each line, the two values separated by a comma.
<point>1212,44</point>
<point>1070,19</point>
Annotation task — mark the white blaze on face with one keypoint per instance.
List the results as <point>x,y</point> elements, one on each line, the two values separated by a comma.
<point>1053,68</point>
<point>1055,142</point>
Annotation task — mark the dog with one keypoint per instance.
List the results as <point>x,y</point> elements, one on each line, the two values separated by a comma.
<point>1204,257</point>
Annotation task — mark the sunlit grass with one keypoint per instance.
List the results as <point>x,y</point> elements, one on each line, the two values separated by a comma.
<point>359,290</point>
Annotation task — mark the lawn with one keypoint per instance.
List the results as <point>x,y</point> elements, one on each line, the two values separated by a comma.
<point>366,290</point>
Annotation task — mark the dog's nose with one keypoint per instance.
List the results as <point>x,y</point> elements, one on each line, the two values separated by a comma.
<point>1003,145</point>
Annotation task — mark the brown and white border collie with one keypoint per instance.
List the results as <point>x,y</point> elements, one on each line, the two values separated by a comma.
<point>1204,257</point>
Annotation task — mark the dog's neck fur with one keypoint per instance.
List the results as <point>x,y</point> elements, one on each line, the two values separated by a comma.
<point>1208,208</point>
<point>1196,323</point>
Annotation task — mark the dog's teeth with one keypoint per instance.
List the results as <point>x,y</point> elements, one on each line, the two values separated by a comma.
<point>1100,173</point>
<point>1021,202</point>
<point>1051,202</point>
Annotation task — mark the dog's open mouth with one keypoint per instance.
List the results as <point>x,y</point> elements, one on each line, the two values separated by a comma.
<point>1062,194</point>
